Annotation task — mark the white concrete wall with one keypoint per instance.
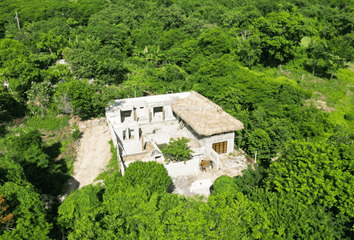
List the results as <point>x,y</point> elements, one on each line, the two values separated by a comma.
<point>168,113</point>
<point>198,151</point>
<point>120,162</point>
<point>229,137</point>
<point>209,140</point>
<point>175,169</point>
<point>178,169</point>
<point>113,134</point>
<point>212,155</point>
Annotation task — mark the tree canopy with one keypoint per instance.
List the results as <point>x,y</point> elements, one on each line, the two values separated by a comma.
<point>283,68</point>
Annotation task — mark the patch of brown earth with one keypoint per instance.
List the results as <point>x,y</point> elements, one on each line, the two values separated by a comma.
<point>93,152</point>
<point>319,104</point>
<point>318,93</point>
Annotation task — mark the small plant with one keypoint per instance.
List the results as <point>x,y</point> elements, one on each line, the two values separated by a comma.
<point>177,150</point>
<point>76,133</point>
<point>349,116</point>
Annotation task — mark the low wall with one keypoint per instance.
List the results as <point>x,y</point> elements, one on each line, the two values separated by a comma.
<point>198,151</point>
<point>113,134</point>
<point>120,162</point>
<point>213,155</point>
<point>178,169</point>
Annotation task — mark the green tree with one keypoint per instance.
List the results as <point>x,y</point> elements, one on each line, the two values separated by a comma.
<point>316,54</point>
<point>151,175</point>
<point>81,212</point>
<point>234,214</point>
<point>41,170</point>
<point>177,150</point>
<point>52,43</point>
<point>16,67</point>
<point>39,96</point>
<point>79,94</point>
<point>28,213</point>
<point>259,140</point>
<point>10,108</point>
<point>313,174</point>
<point>22,213</point>
<point>247,46</point>
<point>213,41</point>
<point>280,34</point>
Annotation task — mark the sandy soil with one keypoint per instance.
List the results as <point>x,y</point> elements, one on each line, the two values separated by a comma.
<point>93,153</point>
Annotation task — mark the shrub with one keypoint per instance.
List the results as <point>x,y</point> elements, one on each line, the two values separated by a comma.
<point>178,150</point>
<point>349,116</point>
<point>151,175</point>
<point>76,133</point>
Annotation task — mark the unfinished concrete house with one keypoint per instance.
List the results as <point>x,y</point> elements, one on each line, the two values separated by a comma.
<point>141,126</point>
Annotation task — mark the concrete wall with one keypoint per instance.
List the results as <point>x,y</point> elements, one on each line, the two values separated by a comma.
<point>212,155</point>
<point>229,137</point>
<point>113,134</point>
<point>198,151</point>
<point>120,162</point>
<point>178,169</point>
<point>209,140</point>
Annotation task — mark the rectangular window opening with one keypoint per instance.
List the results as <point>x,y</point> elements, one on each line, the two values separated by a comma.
<point>220,147</point>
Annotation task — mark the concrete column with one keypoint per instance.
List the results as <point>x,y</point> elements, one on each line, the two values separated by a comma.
<point>119,118</point>
<point>119,132</point>
<point>136,132</point>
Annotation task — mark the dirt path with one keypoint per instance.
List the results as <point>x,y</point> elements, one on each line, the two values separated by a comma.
<point>93,154</point>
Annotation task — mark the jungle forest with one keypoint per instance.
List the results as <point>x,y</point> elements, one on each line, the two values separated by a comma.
<point>284,68</point>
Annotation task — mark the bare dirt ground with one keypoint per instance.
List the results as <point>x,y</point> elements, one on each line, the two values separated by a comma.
<point>93,153</point>
<point>320,104</point>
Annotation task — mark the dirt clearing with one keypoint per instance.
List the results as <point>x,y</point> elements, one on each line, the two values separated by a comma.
<point>93,152</point>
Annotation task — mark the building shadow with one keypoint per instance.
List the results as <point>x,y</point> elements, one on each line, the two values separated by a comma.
<point>71,185</point>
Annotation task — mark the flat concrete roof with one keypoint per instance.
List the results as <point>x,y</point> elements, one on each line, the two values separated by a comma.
<point>120,103</point>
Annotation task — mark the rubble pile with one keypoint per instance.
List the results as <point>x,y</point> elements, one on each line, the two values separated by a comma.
<point>236,162</point>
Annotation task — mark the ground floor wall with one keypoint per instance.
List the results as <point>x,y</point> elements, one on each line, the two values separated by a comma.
<point>210,140</point>
<point>176,169</point>
<point>229,137</point>
<point>181,168</point>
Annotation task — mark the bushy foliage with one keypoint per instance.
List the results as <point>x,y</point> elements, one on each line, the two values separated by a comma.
<point>152,176</point>
<point>79,94</point>
<point>177,150</point>
<point>22,213</point>
<point>28,150</point>
<point>10,108</point>
<point>259,60</point>
<point>320,179</point>
<point>39,96</point>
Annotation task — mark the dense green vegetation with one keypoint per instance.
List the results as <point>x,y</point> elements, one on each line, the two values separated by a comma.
<point>267,63</point>
<point>177,150</point>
